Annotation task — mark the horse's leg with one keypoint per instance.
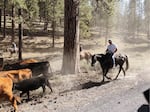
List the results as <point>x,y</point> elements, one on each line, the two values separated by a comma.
<point>123,71</point>
<point>120,67</point>
<point>106,74</point>
<point>103,74</point>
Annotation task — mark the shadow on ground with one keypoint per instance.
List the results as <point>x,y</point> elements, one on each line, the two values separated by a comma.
<point>87,85</point>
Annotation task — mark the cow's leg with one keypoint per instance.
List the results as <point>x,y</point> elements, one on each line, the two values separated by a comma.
<point>14,103</point>
<point>28,93</point>
<point>12,100</point>
<point>43,87</point>
<point>49,85</point>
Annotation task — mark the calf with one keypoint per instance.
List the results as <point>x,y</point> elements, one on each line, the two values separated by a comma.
<point>32,84</point>
<point>17,75</point>
<point>36,68</point>
<point>6,85</point>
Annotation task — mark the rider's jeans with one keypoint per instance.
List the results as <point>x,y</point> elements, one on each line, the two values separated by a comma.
<point>113,57</point>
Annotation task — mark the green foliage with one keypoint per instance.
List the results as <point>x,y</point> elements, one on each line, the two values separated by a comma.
<point>85,18</point>
<point>51,9</point>
<point>30,13</point>
<point>32,8</point>
<point>19,3</point>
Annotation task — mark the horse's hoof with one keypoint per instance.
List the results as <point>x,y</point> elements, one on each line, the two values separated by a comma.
<point>109,78</point>
<point>115,78</point>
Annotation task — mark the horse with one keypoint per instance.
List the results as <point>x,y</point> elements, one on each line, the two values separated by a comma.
<point>106,63</point>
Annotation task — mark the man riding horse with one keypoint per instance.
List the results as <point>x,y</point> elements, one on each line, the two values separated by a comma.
<point>107,61</point>
<point>111,49</point>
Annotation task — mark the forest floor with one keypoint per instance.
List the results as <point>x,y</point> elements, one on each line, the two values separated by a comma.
<point>75,90</point>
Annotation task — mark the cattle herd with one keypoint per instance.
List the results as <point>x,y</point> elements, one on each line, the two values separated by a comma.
<point>24,76</point>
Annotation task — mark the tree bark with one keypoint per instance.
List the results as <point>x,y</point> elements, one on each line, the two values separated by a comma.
<point>71,38</point>
<point>0,20</point>
<point>20,35</point>
<point>53,23</point>
<point>13,24</point>
<point>53,32</point>
<point>4,29</point>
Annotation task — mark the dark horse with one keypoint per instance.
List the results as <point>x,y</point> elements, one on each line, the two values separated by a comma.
<point>106,63</point>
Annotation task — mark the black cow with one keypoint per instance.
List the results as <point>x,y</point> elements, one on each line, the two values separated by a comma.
<point>32,84</point>
<point>36,68</point>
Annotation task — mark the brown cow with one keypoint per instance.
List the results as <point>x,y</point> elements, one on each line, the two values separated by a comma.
<point>85,55</point>
<point>17,75</point>
<point>28,61</point>
<point>6,93</point>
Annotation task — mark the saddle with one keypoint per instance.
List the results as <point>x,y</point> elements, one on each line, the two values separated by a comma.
<point>108,58</point>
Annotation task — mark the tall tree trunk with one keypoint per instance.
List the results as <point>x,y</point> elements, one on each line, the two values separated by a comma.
<point>45,19</point>
<point>71,38</point>
<point>4,29</point>
<point>53,32</point>
<point>53,23</point>
<point>13,24</point>
<point>0,20</point>
<point>20,35</point>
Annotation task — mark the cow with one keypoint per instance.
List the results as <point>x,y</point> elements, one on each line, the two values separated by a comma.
<point>13,49</point>
<point>32,84</point>
<point>85,55</point>
<point>28,61</point>
<point>36,68</point>
<point>6,93</point>
<point>17,75</point>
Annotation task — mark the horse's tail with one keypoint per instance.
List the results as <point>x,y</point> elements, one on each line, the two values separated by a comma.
<point>127,62</point>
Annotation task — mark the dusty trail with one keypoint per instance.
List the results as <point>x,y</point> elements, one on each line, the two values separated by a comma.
<point>83,92</point>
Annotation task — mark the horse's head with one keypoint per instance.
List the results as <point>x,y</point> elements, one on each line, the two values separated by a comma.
<point>94,58</point>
